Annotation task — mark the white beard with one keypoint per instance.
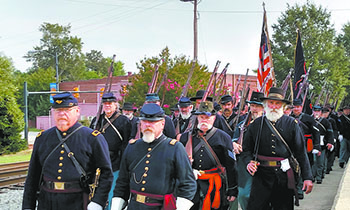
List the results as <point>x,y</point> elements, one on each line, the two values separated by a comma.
<point>273,114</point>
<point>199,126</point>
<point>148,137</point>
<point>128,116</point>
<point>185,116</point>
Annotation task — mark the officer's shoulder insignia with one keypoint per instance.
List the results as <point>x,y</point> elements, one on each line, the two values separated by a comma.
<point>39,134</point>
<point>132,141</point>
<point>95,133</point>
<point>173,142</point>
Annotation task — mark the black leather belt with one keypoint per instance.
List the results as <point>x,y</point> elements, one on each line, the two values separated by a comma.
<point>61,185</point>
<point>145,199</point>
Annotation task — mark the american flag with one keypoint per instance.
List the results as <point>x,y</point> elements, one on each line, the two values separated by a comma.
<point>265,76</point>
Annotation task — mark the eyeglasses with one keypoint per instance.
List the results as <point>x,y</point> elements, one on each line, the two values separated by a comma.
<point>57,110</point>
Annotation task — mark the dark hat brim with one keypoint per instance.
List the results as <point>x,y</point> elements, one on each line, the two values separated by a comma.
<point>153,119</point>
<point>275,99</point>
<point>204,113</point>
<point>254,102</point>
<point>200,97</point>
<point>57,106</point>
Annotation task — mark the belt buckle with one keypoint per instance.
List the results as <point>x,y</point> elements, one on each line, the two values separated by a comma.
<point>140,198</point>
<point>59,185</point>
<point>272,163</point>
<point>201,172</point>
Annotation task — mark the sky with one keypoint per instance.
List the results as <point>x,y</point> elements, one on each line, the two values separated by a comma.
<point>228,30</point>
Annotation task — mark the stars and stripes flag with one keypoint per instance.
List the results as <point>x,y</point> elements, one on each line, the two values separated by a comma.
<point>265,78</point>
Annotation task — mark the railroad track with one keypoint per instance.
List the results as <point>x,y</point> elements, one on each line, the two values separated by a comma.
<point>13,173</point>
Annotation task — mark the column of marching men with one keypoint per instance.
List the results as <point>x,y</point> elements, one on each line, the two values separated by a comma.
<point>205,156</point>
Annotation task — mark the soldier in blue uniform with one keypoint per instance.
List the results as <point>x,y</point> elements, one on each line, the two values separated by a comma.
<point>64,161</point>
<point>227,110</point>
<point>182,122</point>
<point>169,128</point>
<point>326,143</point>
<point>128,110</point>
<point>151,166</point>
<point>244,178</point>
<point>344,136</point>
<point>219,120</point>
<point>210,149</point>
<point>266,156</point>
<point>116,128</point>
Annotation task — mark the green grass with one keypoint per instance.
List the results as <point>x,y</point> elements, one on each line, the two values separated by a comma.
<point>18,157</point>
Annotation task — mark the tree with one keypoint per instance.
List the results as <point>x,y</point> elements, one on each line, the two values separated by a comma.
<point>171,89</point>
<point>56,39</point>
<point>329,62</point>
<point>344,40</point>
<point>11,117</point>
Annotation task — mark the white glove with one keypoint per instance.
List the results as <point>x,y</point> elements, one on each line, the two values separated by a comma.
<point>196,173</point>
<point>94,206</point>
<point>117,203</point>
<point>332,148</point>
<point>340,138</point>
<point>183,203</point>
<point>315,151</point>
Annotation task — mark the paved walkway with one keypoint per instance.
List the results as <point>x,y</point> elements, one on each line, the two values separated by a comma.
<point>323,195</point>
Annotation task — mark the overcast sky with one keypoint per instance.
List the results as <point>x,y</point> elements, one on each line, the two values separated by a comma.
<point>228,30</point>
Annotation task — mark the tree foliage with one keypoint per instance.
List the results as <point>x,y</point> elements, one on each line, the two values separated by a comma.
<point>329,62</point>
<point>344,40</point>
<point>11,117</point>
<point>170,91</point>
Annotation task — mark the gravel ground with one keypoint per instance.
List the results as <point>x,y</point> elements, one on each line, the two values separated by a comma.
<point>11,199</point>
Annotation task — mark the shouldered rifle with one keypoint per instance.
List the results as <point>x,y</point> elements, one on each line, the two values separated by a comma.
<point>243,128</point>
<point>153,85</point>
<point>236,90</point>
<point>286,82</point>
<point>321,93</point>
<point>210,84</point>
<point>107,89</point>
<point>165,76</point>
<point>242,101</point>
<point>303,85</point>
<point>187,84</point>
<point>222,80</point>
<point>95,184</point>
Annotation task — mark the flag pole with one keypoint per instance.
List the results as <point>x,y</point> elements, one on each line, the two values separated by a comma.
<point>269,47</point>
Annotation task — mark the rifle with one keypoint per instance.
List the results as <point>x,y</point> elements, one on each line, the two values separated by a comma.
<point>304,83</point>
<point>319,97</point>
<point>153,85</point>
<point>95,184</point>
<point>236,90</point>
<point>193,123</point>
<point>164,80</point>
<point>327,97</point>
<point>187,84</point>
<point>222,79</point>
<point>243,127</point>
<point>242,101</point>
<point>285,83</point>
<point>106,89</point>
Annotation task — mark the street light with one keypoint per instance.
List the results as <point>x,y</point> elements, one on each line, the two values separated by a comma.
<point>56,61</point>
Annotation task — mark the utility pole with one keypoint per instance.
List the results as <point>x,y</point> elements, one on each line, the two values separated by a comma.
<point>195,29</point>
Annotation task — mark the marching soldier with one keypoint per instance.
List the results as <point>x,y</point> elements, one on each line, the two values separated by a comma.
<point>311,135</point>
<point>219,120</point>
<point>210,149</point>
<point>169,128</point>
<point>344,136</point>
<point>116,128</point>
<point>326,143</point>
<point>64,162</point>
<point>183,120</point>
<point>151,166</point>
<point>243,177</point>
<point>227,110</point>
<point>268,147</point>
<point>128,110</point>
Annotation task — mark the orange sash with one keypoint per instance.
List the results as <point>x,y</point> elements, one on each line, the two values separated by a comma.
<point>214,179</point>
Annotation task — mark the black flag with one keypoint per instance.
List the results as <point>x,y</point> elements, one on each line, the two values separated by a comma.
<point>299,66</point>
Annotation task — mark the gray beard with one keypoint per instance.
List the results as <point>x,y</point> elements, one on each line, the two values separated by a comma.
<point>273,116</point>
<point>148,137</point>
<point>185,116</point>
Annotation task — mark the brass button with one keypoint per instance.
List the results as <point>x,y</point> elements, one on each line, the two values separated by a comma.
<point>61,164</point>
<point>59,178</point>
<point>273,146</point>
<point>61,158</point>
<point>64,134</point>
<point>147,161</point>
<point>200,160</point>
<point>149,149</point>
<point>59,170</point>
<point>62,146</point>
<point>145,175</point>
<point>273,152</point>
<point>143,182</point>
<point>62,151</point>
<point>148,155</point>
<point>200,166</point>
<point>201,150</point>
<point>201,155</point>
<point>143,189</point>
<point>146,168</point>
